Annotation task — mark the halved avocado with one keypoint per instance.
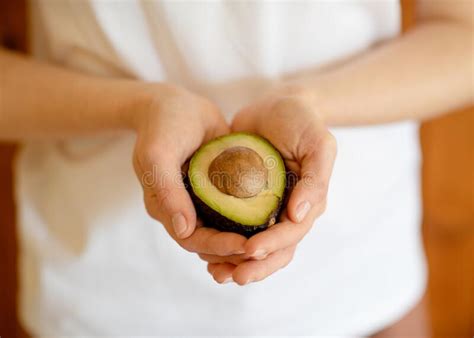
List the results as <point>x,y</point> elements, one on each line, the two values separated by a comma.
<point>237,183</point>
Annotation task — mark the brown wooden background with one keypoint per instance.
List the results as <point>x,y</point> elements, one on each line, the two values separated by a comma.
<point>448,170</point>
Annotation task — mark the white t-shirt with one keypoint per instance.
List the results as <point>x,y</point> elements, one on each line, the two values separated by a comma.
<point>93,263</point>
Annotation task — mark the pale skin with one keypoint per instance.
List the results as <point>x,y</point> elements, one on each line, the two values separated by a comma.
<point>419,75</point>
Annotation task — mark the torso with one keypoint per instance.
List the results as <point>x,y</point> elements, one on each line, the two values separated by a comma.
<point>94,263</point>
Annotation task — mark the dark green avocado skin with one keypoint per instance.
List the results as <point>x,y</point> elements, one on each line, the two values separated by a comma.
<point>213,219</point>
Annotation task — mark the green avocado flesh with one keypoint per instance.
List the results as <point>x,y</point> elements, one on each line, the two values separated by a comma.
<point>224,211</point>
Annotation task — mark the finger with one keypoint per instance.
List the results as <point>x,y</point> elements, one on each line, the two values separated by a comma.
<point>221,272</point>
<point>253,271</point>
<point>166,198</point>
<point>317,154</point>
<point>279,236</point>
<point>233,259</point>
<point>211,267</point>
<point>213,242</point>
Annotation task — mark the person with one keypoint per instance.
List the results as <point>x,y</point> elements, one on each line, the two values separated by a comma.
<point>159,79</point>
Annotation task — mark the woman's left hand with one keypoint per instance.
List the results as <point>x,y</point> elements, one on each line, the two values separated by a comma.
<point>290,120</point>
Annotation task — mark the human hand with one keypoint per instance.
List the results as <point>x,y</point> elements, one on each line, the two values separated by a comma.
<point>290,120</point>
<point>170,126</point>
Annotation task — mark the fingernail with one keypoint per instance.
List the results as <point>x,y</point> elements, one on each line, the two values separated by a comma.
<point>179,224</point>
<point>228,280</point>
<point>259,254</point>
<point>302,210</point>
<point>238,252</point>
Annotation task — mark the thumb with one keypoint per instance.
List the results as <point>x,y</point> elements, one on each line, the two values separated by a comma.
<point>316,167</point>
<point>167,199</point>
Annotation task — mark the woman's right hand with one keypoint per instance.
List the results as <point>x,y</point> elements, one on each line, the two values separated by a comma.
<point>170,126</point>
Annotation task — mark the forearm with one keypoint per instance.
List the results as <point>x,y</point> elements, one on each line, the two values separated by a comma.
<point>43,101</point>
<point>423,73</point>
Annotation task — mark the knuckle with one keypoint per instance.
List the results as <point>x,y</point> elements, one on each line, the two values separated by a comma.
<point>210,268</point>
<point>146,169</point>
<point>163,197</point>
<point>324,205</point>
<point>266,271</point>
<point>287,261</point>
<point>150,155</point>
<point>320,193</point>
<point>309,179</point>
<point>286,106</point>
<point>329,141</point>
<point>204,257</point>
<point>289,258</point>
<point>149,208</point>
<point>186,245</point>
<point>147,180</point>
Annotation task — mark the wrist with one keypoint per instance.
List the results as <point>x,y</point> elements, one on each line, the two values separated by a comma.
<point>306,95</point>
<point>147,100</point>
<point>135,99</point>
<point>136,106</point>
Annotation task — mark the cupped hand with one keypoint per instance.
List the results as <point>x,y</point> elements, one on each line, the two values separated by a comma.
<point>172,124</point>
<point>290,120</point>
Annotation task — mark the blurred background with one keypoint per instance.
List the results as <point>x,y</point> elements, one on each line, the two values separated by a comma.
<point>448,192</point>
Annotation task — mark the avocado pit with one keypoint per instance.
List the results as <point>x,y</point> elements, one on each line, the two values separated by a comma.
<point>239,172</point>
